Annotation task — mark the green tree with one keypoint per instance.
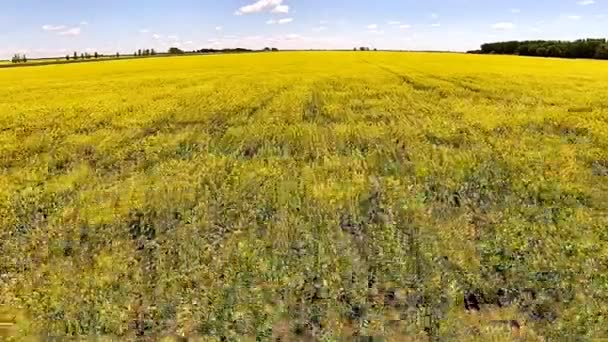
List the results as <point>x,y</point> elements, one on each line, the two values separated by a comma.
<point>153,52</point>
<point>75,55</point>
<point>602,51</point>
<point>67,57</point>
<point>541,51</point>
<point>175,51</point>
<point>96,55</point>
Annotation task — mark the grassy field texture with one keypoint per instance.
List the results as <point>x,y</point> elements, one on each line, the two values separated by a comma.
<point>305,195</point>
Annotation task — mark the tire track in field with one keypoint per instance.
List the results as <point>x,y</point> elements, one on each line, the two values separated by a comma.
<point>214,122</point>
<point>470,88</point>
<point>416,85</point>
<point>507,96</point>
<point>267,100</point>
<point>242,115</point>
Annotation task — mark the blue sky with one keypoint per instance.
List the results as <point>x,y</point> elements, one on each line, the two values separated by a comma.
<point>57,27</point>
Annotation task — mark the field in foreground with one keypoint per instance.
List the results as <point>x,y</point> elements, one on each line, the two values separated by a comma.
<point>305,195</point>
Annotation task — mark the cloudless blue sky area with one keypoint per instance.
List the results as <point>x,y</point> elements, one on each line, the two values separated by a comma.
<point>57,27</point>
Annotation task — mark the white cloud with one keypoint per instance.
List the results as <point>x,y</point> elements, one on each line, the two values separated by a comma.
<point>51,28</point>
<point>600,16</point>
<point>515,10</point>
<point>434,16</point>
<point>188,42</point>
<point>585,2</point>
<point>323,22</point>
<point>574,17</point>
<point>157,36</point>
<point>173,37</point>
<point>280,21</point>
<point>436,25</point>
<point>281,9</point>
<point>218,28</point>
<point>393,22</point>
<point>259,6</point>
<point>405,26</point>
<point>373,28</point>
<point>144,30</point>
<point>84,23</point>
<point>503,26</point>
<point>74,31</point>
<point>319,29</point>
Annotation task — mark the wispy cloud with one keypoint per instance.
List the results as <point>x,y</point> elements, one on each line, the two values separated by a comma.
<point>574,17</point>
<point>74,31</point>
<point>585,2</point>
<point>319,29</point>
<point>63,30</point>
<point>393,22</point>
<point>436,25</point>
<point>281,9</point>
<point>263,5</point>
<point>84,23</point>
<point>144,30</point>
<point>503,26</point>
<point>219,28</point>
<point>157,36</point>
<point>515,10</point>
<point>372,26</point>
<point>280,21</point>
<point>405,26</point>
<point>51,28</point>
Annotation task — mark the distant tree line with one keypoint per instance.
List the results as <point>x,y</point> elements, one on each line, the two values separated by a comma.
<point>363,48</point>
<point>178,51</point>
<point>84,55</point>
<point>145,52</point>
<point>19,58</point>
<point>582,48</point>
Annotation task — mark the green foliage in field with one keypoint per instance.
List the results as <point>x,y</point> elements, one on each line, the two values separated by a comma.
<point>305,194</point>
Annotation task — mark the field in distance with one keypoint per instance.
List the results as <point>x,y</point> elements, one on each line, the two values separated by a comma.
<point>296,194</point>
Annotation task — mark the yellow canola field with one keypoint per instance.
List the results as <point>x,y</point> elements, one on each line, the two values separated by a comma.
<point>305,194</point>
